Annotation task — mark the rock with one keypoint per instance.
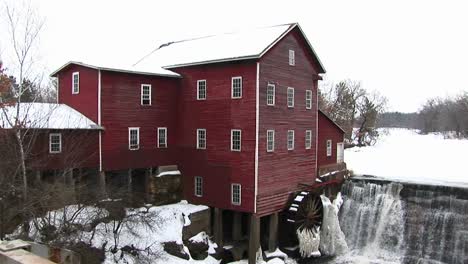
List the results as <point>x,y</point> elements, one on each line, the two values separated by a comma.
<point>198,250</point>
<point>176,250</point>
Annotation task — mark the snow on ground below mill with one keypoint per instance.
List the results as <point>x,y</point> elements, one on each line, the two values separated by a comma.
<point>405,155</point>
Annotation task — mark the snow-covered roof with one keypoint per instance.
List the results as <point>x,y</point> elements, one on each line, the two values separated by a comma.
<point>157,70</point>
<point>44,116</point>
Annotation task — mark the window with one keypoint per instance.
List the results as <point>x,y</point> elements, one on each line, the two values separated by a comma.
<point>236,194</point>
<point>329,148</point>
<point>308,99</point>
<point>198,186</point>
<point>271,94</point>
<point>133,138</point>
<point>201,138</point>
<point>270,140</point>
<point>162,137</point>
<point>76,83</point>
<point>290,139</point>
<point>340,152</point>
<point>235,140</point>
<point>290,95</point>
<point>55,143</point>
<point>308,139</point>
<point>201,90</point>
<point>292,58</point>
<point>236,87</point>
<point>146,94</point>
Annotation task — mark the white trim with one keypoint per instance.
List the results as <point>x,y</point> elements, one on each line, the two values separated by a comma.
<point>165,136</point>
<point>308,92</point>
<point>292,58</point>
<point>73,83</point>
<point>195,186</point>
<point>240,139</point>
<point>316,126</point>
<point>232,193</point>
<point>287,97</point>
<point>138,138</point>
<point>310,139</point>
<point>287,140</point>
<point>329,146</point>
<point>141,93</point>
<point>257,122</point>
<point>274,93</point>
<point>99,119</point>
<point>58,89</point>
<point>198,138</point>
<point>198,89</point>
<point>232,87</point>
<point>50,143</point>
<point>273,140</point>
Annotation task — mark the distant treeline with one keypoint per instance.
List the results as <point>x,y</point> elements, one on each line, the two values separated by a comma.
<point>448,114</point>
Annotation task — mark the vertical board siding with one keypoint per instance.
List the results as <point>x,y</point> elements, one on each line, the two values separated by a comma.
<point>327,130</point>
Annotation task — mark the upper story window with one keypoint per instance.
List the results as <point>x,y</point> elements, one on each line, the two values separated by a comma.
<point>236,138</point>
<point>162,137</point>
<point>236,87</point>
<point>201,138</point>
<point>290,95</point>
<point>329,148</point>
<point>270,140</point>
<point>133,138</point>
<point>271,94</point>
<point>308,99</point>
<point>308,139</point>
<point>292,58</point>
<point>146,94</point>
<point>198,186</point>
<point>236,193</point>
<point>76,83</point>
<point>55,143</point>
<point>201,90</point>
<point>290,139</point>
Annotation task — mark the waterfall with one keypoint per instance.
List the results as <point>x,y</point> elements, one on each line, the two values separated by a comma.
<point>388,222</point>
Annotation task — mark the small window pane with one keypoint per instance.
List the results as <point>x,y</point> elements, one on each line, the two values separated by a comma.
<point>329,148</point>
<point>270,140</point>
<point>236,87</point>
<point>235,140</point>
<point>201,90</point>
<point>198,186</point>
<point>236,194</point>
<point>145,94</point>
<point>162,137</point>
<point>308,99</point>
<point>290,95</point>
<point>290,139</point>
<point>201,138</point>
<point>133,138</point>
<point>271,94</point>
<point>292,58</point>
<point>75,83</point>
<point>308,139</point>
<point>55,143</point>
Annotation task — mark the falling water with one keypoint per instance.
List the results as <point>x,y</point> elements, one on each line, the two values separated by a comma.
<point>387,222</point>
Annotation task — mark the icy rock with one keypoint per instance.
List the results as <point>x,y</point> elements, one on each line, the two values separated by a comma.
<point>332,242</point>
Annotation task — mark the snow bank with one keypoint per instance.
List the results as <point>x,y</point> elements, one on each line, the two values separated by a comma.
<point>405,155</point>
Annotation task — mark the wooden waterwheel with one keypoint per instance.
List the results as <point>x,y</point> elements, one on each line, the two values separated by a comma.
<point>306,211</point>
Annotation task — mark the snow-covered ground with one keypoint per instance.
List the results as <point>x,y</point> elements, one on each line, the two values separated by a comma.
<point>405,155</point>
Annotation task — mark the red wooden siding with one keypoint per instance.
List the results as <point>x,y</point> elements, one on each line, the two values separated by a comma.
<point>121,109</point>
<point>327,130</point>
<point>218,114</point>
<point>280,172</point>
<point>86,101</point>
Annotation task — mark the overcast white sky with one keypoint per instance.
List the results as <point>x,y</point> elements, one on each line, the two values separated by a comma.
<point>408,50</point>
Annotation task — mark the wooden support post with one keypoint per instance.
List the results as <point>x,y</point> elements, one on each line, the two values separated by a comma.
<point>218,227</point>
<point>273,236</point>
<point>254,238</point>
<point>237,226</point>
<point>129,181</point>
<point>148,188</point>
<point>38,177</point>
<point>102,184</point>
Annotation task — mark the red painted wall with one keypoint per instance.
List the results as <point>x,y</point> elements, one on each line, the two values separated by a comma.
<point>218,114</point>
<point>327,130</point>
<point>280,172</point>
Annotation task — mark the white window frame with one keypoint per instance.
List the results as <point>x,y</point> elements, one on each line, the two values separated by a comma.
<point>232,87</point>
<point>232,194</point>
<point>198,89</point>
<point>308,100</point>
<point>290,89</point>
<point>329,147</point>
<point>77,91</point>
<point>165,137</point>
<point>130,129</point>
<point>292,58</point>
<point>272,141</point>
<point>143,86</point>
<point>290,146</point>
<point>59,135</point>
<point>272,103</point>
<point>199,138</point>
<point>339,156</point>
<point>198,186</point>
<point>232,139</point>
<point>308,139</point>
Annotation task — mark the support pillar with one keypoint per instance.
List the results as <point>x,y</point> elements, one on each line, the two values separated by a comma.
<point>148,187</point>
<point>237,226</point>
<point>129,181</point>
<point>38,177</point>
<point>218,226</point>
<point>254,238</point>
<point>102,184</point>
<point>273,236</point>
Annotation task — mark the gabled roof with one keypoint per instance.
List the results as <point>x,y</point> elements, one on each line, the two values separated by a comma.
<point>155,71</point>
<point>44,116</point>
<point>249,44</point>
<point>331,120</point>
